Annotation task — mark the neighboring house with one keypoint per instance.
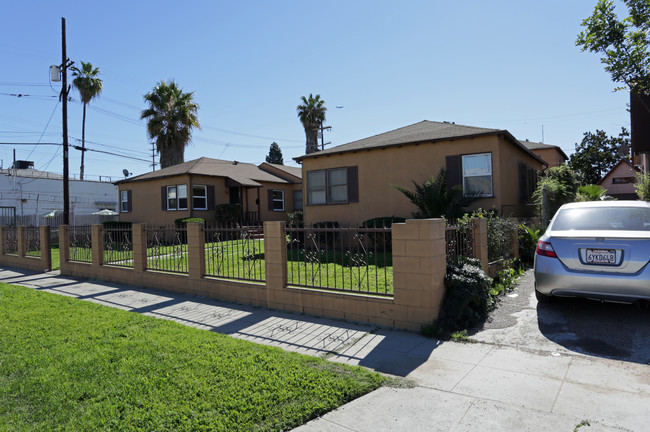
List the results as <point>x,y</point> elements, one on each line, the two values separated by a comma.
<point>619,181</point>
<point>354,182</point>
<point>35,193</point>
<point>195,188</point>
<point>553,155</point>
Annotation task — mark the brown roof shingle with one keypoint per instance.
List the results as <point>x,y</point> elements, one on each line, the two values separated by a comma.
<point>245,174</point>
<point>419,132</point>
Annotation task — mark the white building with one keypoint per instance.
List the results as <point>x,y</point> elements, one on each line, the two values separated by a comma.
<point>33,193</point>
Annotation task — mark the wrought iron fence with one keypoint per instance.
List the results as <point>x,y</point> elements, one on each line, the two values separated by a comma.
<point>11,240</point>
<point>341,259</point>
<point>32,241</point>
<point>459,240</point>
<point>235,252</point>
<point>81,244</point>
<point>167,249</point>
<point>118,246</point>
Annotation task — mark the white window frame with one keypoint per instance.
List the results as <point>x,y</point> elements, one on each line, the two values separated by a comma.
<point>203,197</point>
<point>124,201</point>
<point>278,200</point>
<point>177,198</point>
<point>489,193</point>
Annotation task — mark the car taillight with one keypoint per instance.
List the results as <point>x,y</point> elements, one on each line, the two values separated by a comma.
<point>545,249</point>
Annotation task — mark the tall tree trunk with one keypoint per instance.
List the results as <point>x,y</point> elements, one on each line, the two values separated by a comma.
<point>83,144</point>
<point>311,132</point>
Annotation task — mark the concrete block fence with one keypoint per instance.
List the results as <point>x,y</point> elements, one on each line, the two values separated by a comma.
<point>419,266</point>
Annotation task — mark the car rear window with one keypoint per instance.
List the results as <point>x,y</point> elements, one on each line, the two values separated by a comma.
<point>613,218</point>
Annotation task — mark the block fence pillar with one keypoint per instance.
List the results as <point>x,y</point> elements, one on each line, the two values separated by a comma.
<point>419,267</point>
<point>97,244</point>
<point>22,240</point>
<point>139,234</point>
<point>46,246</point>
<point>479,241</point>
<point>275,257</point>
<point>196,250</point>
<point>64,247</point>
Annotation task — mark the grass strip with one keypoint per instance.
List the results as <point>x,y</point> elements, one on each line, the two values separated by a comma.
<point>67,364</point>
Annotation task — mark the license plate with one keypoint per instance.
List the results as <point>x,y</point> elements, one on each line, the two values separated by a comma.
<point>601,256</point>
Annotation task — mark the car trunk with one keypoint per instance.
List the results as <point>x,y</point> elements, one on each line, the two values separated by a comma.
<point>625,252</point>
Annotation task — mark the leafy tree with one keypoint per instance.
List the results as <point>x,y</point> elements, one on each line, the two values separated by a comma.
<point>89,86</point>
<point>597,154</point>
<point>275,154</point>
<point>170,118</point>
<point>312,115</point>
<point>642,186</point>
<point>623,43</point>
<point>435,199</point>
<point>557,186</point>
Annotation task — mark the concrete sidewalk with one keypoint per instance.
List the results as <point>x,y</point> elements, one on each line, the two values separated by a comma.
<point>457,387</point>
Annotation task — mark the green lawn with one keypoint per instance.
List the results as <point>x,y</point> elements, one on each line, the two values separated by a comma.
<point>67,364</point>
<point>244,259</point>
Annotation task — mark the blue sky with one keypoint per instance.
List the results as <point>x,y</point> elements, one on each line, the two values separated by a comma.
<point>502,64</point>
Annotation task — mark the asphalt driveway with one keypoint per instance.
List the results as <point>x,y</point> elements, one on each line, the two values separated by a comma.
<point>569,326</point>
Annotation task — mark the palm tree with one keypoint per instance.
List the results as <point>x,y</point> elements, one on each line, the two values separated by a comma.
<point>170,118</point>
<point>312,115</point>
<point>89,86</point>
<point>435,199</point>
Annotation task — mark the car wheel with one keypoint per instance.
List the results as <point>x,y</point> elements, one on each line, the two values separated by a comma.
<point>543,298</point>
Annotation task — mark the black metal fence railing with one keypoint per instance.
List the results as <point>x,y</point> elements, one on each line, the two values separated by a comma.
<point>235,252</point>
<point>81,244</point>
<point>32,241</point>
<point>11,240</point>
<point>118,246</point>
<point>342,259</point>
<point>459,240</point>
<point>167,249</point>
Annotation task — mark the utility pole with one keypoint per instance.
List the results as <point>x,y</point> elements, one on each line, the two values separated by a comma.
<point>64,105</point>
<point>322,135</point>
<point>153,156</point>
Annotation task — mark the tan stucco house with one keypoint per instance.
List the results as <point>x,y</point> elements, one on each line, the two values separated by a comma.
<point>619,181</point>
<point>553,155</point>
<point>193,189</point>
<point>354,182</point>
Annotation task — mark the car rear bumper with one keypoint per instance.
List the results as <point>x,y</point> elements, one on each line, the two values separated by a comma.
<point>553,278</point>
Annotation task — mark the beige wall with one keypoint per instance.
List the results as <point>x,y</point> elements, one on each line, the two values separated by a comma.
<point>551,155</point>
<point>379,169</point>
<point>621,171</point>
<point>270,215</point>
<point>147,208</point>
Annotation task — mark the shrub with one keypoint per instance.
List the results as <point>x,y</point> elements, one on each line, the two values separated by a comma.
<point>228,214</point>
<point>528,238</point>
<point>182,223</point>
<point>382,241</point>
<point>499,232</point>
<point>467,300</point>
<point>642,186</point>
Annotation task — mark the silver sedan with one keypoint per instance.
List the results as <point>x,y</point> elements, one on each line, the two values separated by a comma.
<point>596,249</point>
